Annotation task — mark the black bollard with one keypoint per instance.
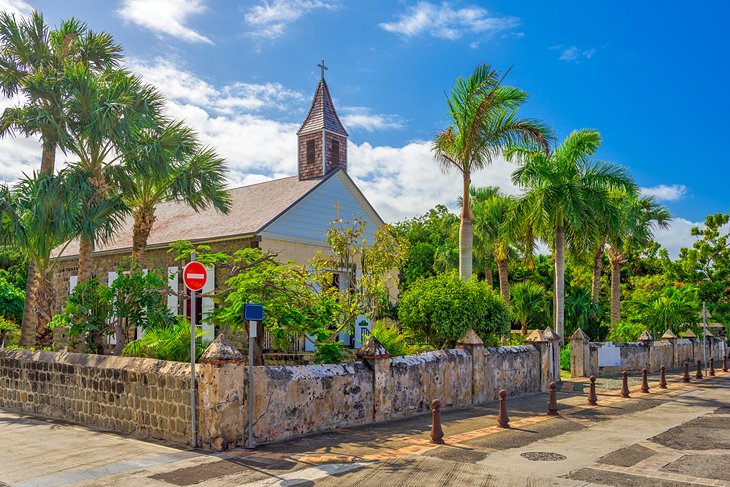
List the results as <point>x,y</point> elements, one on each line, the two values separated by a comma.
<point>644,381</point>
<point>712,365</point>
<point>686,372</point>
<point>437,434</point>
<point>699,375</point>
<point>662,377</point>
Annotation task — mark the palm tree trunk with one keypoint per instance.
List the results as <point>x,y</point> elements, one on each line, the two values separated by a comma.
<point>488,276</point>
<point>466,237</point>
<point>560,282</point>
<point>597,267</point>
<point>44,298</point>
<point>503,280</point>
<point>144,219</point>
<point>86,251</point>
<point>616,258</point>
<point>29,323</point>
<point>28,326</point>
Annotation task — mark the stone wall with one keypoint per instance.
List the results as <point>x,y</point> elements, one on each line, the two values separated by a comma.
<point>143,397</point>
<point>669,351</point>
<point>151,398</point>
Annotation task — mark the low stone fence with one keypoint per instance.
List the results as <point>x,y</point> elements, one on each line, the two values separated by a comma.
<point>608,358</point>
<point>151,398</point>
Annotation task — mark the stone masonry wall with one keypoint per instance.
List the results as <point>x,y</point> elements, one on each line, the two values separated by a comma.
<point>142,397</point>
<point>514,369</point>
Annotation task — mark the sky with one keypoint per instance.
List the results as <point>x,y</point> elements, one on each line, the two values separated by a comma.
<point>651,76</point>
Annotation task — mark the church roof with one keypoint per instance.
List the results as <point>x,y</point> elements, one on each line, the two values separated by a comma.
<point>322,114</point>
<point>252,208</point>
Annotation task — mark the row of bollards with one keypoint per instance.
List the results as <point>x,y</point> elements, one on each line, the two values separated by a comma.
<point>437,433</point>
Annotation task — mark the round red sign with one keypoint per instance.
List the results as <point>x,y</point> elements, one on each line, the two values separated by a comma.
<point>195,276</point>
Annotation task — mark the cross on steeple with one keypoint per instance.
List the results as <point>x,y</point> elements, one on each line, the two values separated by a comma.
<point>322,68</point>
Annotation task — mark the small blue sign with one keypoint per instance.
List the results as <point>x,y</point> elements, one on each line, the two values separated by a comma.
<point>253,312</point>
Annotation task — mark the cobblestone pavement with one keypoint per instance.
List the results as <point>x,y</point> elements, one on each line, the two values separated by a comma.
<point>677,436</point>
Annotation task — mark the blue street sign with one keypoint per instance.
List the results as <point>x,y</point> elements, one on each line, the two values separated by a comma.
<point>253,312</point>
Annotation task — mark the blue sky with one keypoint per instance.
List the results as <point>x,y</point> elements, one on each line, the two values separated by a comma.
<point>651,76</point>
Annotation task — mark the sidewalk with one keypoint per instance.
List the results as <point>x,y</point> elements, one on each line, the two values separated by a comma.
<point>477,452</point>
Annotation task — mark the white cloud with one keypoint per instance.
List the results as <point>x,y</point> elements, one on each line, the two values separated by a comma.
<point>665,192</point>
<point>16,7</point>
<point>168,17</point>
<point>573,53</point>
<point>270,19</point>
<point>362,118</point>
<point>445,22</point>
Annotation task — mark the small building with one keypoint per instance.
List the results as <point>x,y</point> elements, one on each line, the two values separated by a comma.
<point>288,216</point>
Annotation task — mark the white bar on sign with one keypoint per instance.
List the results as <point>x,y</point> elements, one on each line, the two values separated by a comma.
<point>196,276</point>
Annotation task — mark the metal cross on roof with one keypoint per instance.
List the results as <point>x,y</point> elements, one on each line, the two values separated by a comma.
<point>322,68</point>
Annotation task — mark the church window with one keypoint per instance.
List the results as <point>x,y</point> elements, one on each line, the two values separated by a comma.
<point>335,152</point>
<point>310,152</point>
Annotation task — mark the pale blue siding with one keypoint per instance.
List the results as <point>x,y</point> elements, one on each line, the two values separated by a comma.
<point>310,218</point>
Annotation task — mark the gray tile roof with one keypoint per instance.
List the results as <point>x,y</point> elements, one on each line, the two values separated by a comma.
<point>322,114</point>
<point>252,208</point>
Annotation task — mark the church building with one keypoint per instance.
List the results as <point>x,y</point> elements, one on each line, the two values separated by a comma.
<point>288,216</point>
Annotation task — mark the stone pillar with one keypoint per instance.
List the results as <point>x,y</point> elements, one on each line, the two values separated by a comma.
<point>538,340</point>
<point>580,354</point>
<point>648,342</point>
<point>672,339</point>
<point>374,354</point>
<point>221,397</point>
<point>555,340</point>
<point>474,346</point>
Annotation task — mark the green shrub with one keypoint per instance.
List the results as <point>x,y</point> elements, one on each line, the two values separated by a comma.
<point>167,342</point>
<point>9,333</point>
<point>565,357</point>
<point>396,342</point>
<point>440,309</point>
<point>12,299</point>
<point>626,332</point>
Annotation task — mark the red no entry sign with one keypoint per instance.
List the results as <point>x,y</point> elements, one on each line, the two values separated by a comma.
<point>195,276</point>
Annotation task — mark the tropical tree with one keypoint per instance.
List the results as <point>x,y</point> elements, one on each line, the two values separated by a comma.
<point>529,305</point>
<point>107,118</point>
<point>37,215</point>
<point>673,308</point>
<point>169,165</point>
<point>483,243</point>
<point>32,58</point>
<point>564,189</point>
<point>482,121</point>
<point>639,218</point>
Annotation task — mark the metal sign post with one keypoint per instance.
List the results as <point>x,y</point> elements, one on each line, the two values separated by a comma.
<point>704,335</point>
<point>253,313</point>
<point>194,277</point>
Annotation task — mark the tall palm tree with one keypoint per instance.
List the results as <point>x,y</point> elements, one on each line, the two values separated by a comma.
<point>37,215</point>
<point>607,220</point>
<point>482,121</point>
<point>32,56</point>
<point>108,116</point>
<point>483,245</point>
<point>169,165</point>
<point>564,189</point>
<point>640,216</point>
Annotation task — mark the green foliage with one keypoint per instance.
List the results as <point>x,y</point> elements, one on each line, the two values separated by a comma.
<point>9,333</point>
<point>170,341</point>
<point>331,352</point>
<point>134,299</point>
<point>565,358</point>
<point>12,299</point>
<point>440,309</point>
<point>581,312</point>
<point>397,342</point>
<point>13,266</point>
<point>529,305</point>
<point>625,331</point>
<point>672,308</point>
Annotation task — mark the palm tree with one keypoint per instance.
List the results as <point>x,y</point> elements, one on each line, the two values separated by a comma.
<point>32,56</point>
<point>490,224</point>
<point>170,166</point>
<point>529,304</point>
<point>639,218</point>
<point>37,215</point>
<point>564,191</point>
<point>483,245</point>
<point>483,120</point>
<point>108,119</point>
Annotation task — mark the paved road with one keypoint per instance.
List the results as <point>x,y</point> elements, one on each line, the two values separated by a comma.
<point>666,438</point>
